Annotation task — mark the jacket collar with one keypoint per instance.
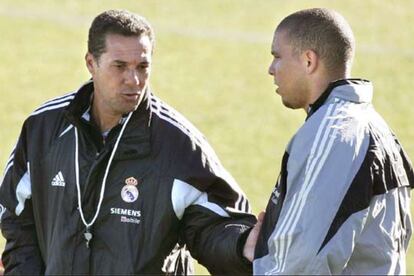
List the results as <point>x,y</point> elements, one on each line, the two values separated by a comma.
<point>353,90</point>
<point>80,103</point>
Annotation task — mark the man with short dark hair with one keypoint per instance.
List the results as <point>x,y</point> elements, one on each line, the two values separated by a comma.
<point>341,204</point>
<point>107,180</point>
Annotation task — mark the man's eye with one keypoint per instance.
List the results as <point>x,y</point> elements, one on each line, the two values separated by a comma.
<point>143,67</point>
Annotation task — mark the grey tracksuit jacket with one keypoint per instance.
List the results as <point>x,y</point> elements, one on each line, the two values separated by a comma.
<point>342,201</point>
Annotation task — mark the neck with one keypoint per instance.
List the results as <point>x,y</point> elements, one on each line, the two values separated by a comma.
<point>104,120</point>
<point>319,85</point>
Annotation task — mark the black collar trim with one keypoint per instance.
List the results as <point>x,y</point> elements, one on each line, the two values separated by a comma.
<point>322,99</point>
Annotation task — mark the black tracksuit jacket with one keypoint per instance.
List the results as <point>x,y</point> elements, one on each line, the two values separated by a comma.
<point>164,185</point>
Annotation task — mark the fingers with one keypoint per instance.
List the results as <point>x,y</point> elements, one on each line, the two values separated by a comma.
<point>261,216</point>
<point>248,250</point>
<point>258,225</point>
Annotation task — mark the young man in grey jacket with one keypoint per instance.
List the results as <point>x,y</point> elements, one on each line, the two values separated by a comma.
<point>342,202</point>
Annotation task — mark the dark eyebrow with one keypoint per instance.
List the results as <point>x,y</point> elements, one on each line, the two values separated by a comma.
<point>120,62</point>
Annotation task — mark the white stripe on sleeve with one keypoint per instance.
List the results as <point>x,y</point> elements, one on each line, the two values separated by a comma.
<point>184,195</point>
<point>23,192</point>
<point>50,108</point>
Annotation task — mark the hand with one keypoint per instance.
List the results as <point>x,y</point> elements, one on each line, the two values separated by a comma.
<point>248,250</point>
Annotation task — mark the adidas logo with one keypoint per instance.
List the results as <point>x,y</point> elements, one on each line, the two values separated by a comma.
<point>58,180</point>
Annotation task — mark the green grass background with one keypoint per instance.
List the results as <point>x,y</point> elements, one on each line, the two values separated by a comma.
<point>210,63</point>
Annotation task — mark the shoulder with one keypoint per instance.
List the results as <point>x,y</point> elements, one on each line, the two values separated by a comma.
<point>338,128</point>
<point>174,121</point>
<point>55,104</point>
<point>182,135</point>
<point>47,121</point>
<point>341,120</point>
<point>47,116</point>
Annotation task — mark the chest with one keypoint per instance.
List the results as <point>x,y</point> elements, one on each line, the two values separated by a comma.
<point>126,189</point>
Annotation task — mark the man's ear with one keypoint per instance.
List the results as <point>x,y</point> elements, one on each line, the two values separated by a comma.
<point>310,60</point>
<point>90,63</point>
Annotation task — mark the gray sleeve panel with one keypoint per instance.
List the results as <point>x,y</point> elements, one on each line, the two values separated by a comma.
<point>377,237</point>
<point>325,155</point>
<point>383,252</point>
<point>336,254</point>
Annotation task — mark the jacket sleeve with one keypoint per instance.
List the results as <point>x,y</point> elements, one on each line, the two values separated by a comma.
<point>325,207</point>
<point>214,212</point>
<point>21,254</point>
<point>217,242</point>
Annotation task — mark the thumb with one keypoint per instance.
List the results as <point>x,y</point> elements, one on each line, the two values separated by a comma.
<point>257,227</point>
<point>261,216</point>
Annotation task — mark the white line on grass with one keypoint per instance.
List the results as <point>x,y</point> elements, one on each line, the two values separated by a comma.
<point>187,31</point>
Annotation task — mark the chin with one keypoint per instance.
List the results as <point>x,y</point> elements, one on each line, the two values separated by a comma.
<point>127,109</point>
<point>290,105</point>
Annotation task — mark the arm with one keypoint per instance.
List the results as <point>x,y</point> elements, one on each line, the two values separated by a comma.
<point>213,211</point>
<point>217,242</point>
<point>21,254</point>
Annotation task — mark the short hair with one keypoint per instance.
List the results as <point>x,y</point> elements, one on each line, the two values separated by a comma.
<point>324,31</point>
<point>120,22</point>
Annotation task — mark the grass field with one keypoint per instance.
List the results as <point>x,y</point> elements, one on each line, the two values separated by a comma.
<point>210,63</point>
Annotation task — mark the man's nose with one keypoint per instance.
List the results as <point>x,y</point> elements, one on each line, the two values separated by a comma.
<point>132,77</point>
<point>270,70</point>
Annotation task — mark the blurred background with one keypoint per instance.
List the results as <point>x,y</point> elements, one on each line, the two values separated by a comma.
<point>210,63</point>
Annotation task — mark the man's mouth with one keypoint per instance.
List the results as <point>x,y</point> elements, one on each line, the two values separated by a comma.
<point>131,96</point>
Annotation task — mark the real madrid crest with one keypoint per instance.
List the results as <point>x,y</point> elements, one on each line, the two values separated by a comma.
<point>129,192</point>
